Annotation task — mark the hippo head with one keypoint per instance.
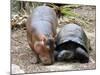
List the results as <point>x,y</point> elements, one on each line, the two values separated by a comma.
<point>44,48</point>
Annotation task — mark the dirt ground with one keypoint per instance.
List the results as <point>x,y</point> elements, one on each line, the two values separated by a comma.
<point>22,55</point>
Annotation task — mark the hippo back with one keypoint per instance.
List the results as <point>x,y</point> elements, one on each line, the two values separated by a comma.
<point>47,19</point>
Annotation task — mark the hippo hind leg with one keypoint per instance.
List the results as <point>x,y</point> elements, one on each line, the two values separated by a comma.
<point>81,55</point>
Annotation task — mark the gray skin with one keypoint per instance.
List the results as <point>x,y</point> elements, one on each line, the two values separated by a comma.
<point>72,43</point>
<point>65,54</point>
<point>41,31</point>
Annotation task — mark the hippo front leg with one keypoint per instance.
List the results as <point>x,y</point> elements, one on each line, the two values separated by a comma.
<point>37,59</point>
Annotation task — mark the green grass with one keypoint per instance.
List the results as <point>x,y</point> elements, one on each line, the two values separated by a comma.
<point>68,12</point>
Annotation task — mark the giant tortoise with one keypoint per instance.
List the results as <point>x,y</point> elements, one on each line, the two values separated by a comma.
<point>72,43</point>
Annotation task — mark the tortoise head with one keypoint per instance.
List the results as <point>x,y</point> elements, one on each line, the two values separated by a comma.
<point>65,55</point>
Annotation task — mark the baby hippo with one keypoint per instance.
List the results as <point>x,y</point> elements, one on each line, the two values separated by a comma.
<point>41,31</point>
<point>72,43</point>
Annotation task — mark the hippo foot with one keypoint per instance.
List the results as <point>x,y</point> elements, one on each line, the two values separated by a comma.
<point>81,55</point>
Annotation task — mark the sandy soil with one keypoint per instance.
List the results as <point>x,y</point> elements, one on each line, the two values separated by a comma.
<point>22,55</point>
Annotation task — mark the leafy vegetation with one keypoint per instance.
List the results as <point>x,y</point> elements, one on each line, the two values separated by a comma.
<point>66,11</point>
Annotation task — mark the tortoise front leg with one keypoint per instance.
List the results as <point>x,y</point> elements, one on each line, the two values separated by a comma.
<point>82,55</point>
